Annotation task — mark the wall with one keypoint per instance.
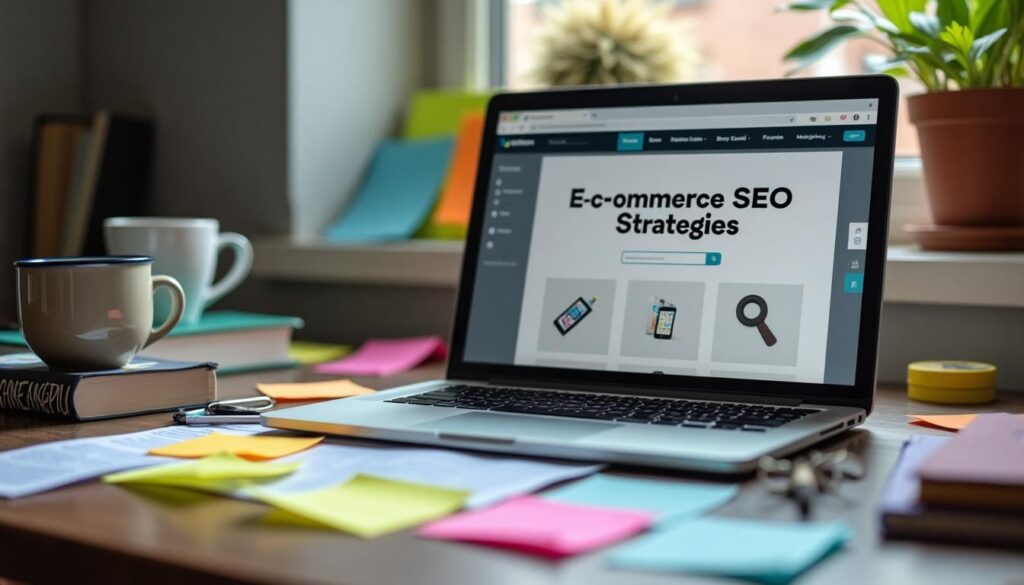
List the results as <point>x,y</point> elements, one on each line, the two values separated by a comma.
<point>40,73</point>
<point>213,77</point>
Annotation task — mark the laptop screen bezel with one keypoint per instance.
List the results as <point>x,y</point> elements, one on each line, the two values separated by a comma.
<point>860,394</point>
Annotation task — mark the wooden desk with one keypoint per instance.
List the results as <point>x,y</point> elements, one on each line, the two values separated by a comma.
<point>95,533</point>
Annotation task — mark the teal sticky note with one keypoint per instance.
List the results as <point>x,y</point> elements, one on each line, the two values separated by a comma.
<point>398,193</point>
<point>774,553</point>
<point>669,501</point>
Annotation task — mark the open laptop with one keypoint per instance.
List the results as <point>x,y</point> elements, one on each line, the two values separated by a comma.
<point>678,276</point>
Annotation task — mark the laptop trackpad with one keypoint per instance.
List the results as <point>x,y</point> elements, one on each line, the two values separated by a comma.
<point>511,426</point>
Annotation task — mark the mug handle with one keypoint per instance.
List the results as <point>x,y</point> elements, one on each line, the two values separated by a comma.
<point>242,249</point>
<point>177,307</point>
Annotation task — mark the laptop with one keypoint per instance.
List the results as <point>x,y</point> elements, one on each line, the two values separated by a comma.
<point>681,276</point>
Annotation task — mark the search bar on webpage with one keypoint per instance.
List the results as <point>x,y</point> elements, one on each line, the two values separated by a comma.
<point>669,258</point>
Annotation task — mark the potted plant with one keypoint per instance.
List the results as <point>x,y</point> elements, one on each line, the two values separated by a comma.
<point>969,55</point>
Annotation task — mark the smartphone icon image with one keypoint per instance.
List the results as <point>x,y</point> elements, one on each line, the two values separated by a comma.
<point>571,317</point>
<point>666,321</point>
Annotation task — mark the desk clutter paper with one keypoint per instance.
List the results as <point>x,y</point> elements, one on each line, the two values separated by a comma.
<point>489,479</point>
<point>538,526</point>
<point>400,189</point>
<point>221,473</point>
<point>249,447</point>
<point>387,357</point>
<point>39,468</point>
<point>368,506</point>
<point>667,501</point>
<point>313,390</point>
<point>768,552</point>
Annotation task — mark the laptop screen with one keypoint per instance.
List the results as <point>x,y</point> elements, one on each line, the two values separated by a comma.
<point>722,240</point>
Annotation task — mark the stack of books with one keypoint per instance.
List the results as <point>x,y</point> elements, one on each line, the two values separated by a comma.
<point>86,169</point>
<point>234,340</point>
<point>964,489</point>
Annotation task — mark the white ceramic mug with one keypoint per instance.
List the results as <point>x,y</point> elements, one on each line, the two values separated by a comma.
<point>91,313</point>
<point>185,248</point>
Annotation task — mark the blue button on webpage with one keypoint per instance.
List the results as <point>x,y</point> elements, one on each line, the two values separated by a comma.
<point>631,141</point>
<point>854,136</point>
<point>853,283</point>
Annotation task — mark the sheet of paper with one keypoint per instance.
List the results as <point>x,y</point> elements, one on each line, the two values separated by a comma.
<point>451,216</point>
<point>400,189</point>
<point>310,352</point>
<point>387,357</point>
<point>220,473</point>
<point>946,422</point>
<point>669,501</point>
<point>47,466</point>
<point>249,447</point>
<point>313,390</point>
<point>490,479</point>
<point>768,552</point>
<point>538,526</point>
<point>368,506</point>
<point>438,112</point>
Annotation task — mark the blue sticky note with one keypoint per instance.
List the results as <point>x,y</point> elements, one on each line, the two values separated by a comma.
<point>768,552</point>
<point>398,193</point>
<point>670,501</point>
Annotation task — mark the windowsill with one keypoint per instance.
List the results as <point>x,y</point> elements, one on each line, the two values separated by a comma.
<point>912,275</point>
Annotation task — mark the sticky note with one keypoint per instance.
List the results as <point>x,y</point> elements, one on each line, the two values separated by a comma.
<point>247,446</point>
<point>946,422</point>
<point>438,112</point>
<point>398,193</point>
<point>310,352</point>
<point>368,506</point>
<point>386,357</point>
<point>768,552</point>
<point>313,390</point>
<point>451,216</point>
<point>537,526</point>
<point>669,501</point>
<point>220,473</point>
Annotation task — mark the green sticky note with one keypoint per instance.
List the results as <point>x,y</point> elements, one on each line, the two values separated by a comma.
<point>774,553</point>
<point>435,113</point>
<point>368,506</point>
<point>310,352</point>
<point>220,473</point>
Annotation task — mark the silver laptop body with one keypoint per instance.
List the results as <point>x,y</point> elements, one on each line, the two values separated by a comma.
<point>595,324</point>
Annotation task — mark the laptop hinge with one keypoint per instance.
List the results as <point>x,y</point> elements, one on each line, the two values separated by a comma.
<point>656,392</point>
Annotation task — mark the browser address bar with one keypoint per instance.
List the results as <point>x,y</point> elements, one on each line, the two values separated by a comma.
<point>639,124</point>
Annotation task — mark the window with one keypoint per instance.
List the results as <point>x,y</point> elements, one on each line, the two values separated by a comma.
<point>736,39</point>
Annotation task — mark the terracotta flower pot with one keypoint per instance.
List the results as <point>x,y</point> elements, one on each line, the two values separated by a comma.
<point>972,149</point>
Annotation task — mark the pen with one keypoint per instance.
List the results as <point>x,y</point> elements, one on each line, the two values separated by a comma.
<point>197,417</point>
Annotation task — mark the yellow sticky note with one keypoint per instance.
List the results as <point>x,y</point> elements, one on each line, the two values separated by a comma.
<point>247,446</point>
<point>946,422</point>
<point>220,473</point>
<point>368,506</point>
<point>313,390</point>
<point>310,352</point>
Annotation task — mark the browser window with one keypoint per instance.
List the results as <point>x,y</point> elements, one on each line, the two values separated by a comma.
<point>712,240</point>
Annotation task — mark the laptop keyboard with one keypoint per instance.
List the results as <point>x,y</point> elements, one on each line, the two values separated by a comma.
<point>658,411</point>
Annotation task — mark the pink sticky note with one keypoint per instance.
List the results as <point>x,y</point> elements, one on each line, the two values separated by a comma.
<point>386,357</point>
<point>537,526</point>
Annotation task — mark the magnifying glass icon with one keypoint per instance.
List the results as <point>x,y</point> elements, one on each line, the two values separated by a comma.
<point>757,320</point>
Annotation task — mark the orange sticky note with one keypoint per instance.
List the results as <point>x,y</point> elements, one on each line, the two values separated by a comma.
<point>248,446</point>
<point>457,193</point>
<point>314,390</point>
<point>946,422</point>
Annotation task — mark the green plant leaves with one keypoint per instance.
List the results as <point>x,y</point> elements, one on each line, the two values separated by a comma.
<point>950,11</point>
<point>815,47</point>
<point>980,46</point>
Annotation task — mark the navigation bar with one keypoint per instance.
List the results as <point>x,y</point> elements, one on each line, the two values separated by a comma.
<point>811,137</point>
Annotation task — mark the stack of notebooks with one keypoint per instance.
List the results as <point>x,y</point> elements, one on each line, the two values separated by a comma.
<point>86,168</point>
<point>964,489</point>
<point>235,341</point>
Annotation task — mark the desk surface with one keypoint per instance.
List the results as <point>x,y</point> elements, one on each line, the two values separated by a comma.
<point>115,535</point>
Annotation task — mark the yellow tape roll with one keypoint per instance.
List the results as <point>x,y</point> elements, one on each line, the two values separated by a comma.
<point>951,382</point>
